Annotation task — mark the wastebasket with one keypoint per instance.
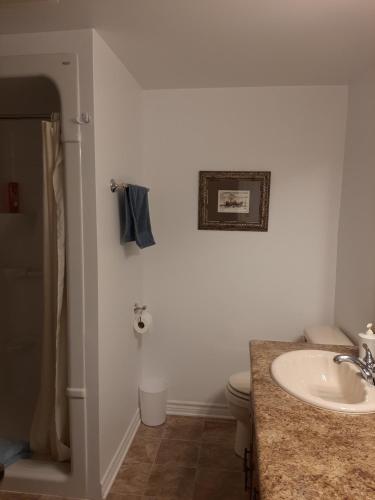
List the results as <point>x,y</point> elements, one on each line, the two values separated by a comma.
<point>153,401</point>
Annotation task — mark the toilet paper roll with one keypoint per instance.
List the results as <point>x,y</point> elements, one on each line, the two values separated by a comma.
<point>142,322</point>
<point>369,339</point>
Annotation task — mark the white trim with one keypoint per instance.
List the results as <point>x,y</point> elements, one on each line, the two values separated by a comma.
<point>195,409</point>
<point>115,464</point>
<point>76,392</point>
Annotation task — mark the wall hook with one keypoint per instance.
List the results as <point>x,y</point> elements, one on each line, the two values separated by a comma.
<point>83,119</point>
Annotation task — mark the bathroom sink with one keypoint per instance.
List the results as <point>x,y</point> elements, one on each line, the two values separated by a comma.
<point>313,377</point>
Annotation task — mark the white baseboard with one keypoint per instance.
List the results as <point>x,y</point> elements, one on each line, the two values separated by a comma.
<point>195,409</point>
<point>115,464</point>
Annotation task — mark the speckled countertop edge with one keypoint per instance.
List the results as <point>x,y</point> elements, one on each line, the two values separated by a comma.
<point>305,452</point>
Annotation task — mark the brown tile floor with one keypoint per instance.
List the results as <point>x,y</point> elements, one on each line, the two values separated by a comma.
<point>186,458</point>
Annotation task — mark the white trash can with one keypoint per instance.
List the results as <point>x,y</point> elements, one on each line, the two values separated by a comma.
<point>153,401</point>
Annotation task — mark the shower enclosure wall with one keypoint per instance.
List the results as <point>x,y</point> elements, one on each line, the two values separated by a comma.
<point>24,92</point>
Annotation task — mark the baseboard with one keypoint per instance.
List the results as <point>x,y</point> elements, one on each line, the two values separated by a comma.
<point>195,409</point>
<point>115,464</point>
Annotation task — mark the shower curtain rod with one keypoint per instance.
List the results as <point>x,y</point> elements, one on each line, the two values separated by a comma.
<point>21,116</point>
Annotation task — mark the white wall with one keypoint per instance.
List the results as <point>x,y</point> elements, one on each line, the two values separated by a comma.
<point>213,291</point>
<point>355,288</point>
<point>117,99</point>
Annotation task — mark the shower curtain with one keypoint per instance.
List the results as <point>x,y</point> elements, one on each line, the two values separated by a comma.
<point>50,427</point>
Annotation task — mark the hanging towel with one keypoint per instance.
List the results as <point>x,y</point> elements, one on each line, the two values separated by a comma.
<point>127,232</point>
<point>11,451</point>
<point>135,222</point>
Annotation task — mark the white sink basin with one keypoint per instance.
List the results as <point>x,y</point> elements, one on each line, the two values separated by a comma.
<point>312,376</point>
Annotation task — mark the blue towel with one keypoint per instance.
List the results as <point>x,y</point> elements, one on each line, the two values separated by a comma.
<point>11,451</point>
<point>127,231</point>
<point>135,222</point>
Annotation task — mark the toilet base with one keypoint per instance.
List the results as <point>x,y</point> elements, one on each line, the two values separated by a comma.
<point>242,440</point>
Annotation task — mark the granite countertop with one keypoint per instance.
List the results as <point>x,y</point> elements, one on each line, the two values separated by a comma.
<point>305,452</point>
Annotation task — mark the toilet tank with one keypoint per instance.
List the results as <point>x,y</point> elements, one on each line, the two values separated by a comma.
<point>326,335</point>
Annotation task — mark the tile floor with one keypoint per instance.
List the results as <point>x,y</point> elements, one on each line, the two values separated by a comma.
<point>187,458</point>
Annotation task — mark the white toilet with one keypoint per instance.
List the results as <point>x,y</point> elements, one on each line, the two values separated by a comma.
<point>326,335</point>
<point>237,390</point>
<point>237,393</point>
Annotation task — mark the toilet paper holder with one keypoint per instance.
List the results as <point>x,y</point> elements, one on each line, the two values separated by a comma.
<point>139,309</point>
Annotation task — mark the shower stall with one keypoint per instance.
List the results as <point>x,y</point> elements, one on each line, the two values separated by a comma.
<point>32,266</point>
<point>42,390</point>
<point>21,287</point>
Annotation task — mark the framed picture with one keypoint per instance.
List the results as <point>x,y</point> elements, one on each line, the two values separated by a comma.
<point>234,201</point>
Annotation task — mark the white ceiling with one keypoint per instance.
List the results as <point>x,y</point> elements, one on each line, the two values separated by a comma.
<point>219,43</point>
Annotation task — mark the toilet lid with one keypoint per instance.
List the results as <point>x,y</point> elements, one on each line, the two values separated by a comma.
<point>240,382</point>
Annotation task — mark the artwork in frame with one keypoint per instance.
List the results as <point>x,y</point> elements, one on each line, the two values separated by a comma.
<point>234,200</point>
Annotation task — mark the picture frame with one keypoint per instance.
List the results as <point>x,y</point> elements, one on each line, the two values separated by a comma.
<point>234,200</point>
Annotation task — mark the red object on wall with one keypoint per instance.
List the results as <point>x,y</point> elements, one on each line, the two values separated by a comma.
<point>13,197</point>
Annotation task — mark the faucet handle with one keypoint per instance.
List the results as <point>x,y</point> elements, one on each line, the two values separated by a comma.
<point>368,358</point>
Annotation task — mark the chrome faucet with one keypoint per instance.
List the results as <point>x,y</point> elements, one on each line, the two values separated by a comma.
<point>366,365</point>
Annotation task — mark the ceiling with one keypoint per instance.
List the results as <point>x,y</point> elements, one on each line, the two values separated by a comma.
<point>218,43</point>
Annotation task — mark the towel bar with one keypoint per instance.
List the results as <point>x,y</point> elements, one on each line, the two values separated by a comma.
<point>115,186</point>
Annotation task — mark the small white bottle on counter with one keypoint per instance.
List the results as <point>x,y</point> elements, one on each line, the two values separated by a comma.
<point>367,338</point>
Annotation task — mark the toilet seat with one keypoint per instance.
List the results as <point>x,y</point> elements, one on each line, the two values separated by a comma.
<point>240,382</point>
<point>239,386</point>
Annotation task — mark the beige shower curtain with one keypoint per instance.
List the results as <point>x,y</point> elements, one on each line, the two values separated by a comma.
<point>50,427</point>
